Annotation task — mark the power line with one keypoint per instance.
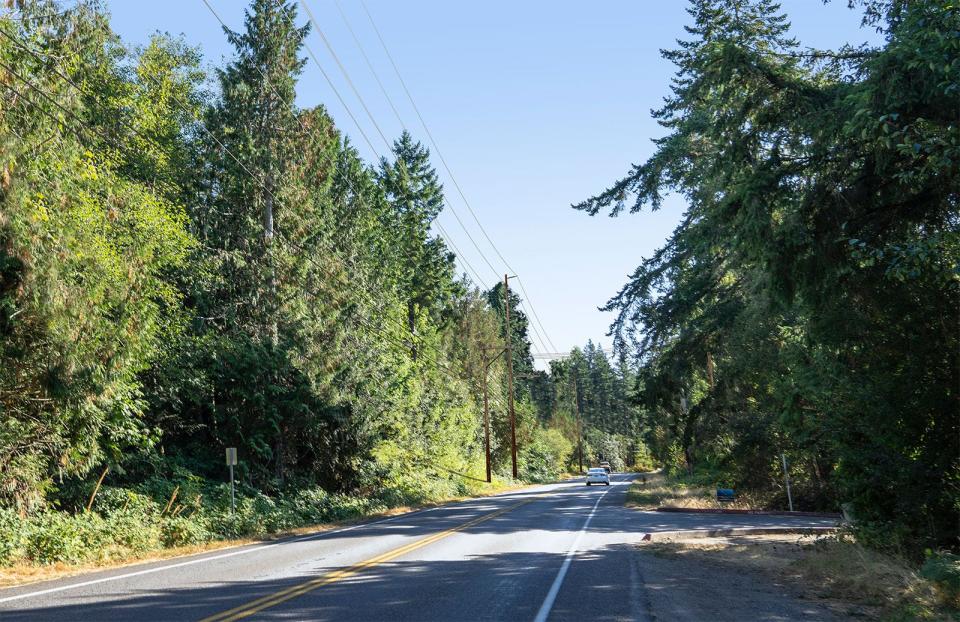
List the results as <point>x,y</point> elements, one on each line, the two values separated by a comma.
<point>533,325</point>
<point>452,210</point>
<point>343,70</point>
<point>393,107</point>
<point>453,178</point>
<point>325,77</point>
<point>347,108</point>
<point>270,85</point>
<point>369,64</point>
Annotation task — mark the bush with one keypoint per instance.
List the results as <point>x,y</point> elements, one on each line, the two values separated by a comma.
<point>55,537</point>
<point>111,500</point>
<point>943,570</point>
<point>543,459</point>
<point>128,521</point>
<point>642,459</point>
<point>129,531</point>
<point>184,531</point>
<point>12,536</point>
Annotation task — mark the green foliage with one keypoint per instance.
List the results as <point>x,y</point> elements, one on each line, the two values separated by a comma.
<point>12,536</point>
<point>188,265</point>
<point>943,569</point>
<point>800,306</point>
<point>543,459</point>
<point>87,254</point>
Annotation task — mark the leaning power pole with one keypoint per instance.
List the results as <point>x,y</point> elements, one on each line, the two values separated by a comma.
<point>509,337</point>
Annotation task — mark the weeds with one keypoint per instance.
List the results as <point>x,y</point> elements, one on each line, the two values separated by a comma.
<point>124,523</point>
<point>662,490</point>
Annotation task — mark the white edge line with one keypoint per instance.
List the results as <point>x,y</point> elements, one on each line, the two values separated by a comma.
<point>252,548</point>
<point>547,605</point>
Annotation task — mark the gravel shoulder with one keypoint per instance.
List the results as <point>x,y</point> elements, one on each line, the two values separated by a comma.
<point>687,582</point>
<point>780,577</point>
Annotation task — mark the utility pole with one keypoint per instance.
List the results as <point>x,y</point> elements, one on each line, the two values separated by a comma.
<point>486,406</point>
<point>486,425</point>
<point>509,336</point>
<point>576,409</point>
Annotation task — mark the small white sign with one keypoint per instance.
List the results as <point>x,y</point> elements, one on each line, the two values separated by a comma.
<point>231,456</point>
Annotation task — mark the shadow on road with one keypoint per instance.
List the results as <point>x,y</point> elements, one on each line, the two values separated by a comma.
<point>611,583</point>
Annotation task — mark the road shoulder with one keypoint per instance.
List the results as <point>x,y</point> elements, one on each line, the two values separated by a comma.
<point>830,575</point>
<point>19,576</point>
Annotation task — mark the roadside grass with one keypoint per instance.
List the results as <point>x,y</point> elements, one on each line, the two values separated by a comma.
<point>20,571</point>
<point>659,489</point>
<point>846,576</point>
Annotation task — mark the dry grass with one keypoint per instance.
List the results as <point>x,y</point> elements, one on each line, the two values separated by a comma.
<point>658,490</point>
<point>846,576</point>
<point>23,574</point>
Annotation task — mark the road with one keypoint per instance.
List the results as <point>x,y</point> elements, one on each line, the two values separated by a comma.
<point>558,552</point>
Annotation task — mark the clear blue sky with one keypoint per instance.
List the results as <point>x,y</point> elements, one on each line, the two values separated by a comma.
<point>535,105</point>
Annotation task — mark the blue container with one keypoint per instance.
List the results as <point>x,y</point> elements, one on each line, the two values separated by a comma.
<point>726,494</point>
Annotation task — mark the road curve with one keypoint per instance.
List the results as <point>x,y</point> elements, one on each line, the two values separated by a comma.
<point>558,552</point>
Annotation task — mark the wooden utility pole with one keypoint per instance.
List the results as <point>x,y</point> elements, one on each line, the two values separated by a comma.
<point>509,337</point>
<point>576,406</point>
<point>486,425</point>
<point>486,404</point>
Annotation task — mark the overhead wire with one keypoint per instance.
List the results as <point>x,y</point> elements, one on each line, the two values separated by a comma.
<point>343,70</point>
<point>474,273</point>
<point>350,82</point>
<point>344,104</point>
<point>366,59</point>
<point>444,368</point>
<point>537,333</point>
<point>453,178</point>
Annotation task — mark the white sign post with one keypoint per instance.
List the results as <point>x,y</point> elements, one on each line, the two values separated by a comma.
<point>231,461</point>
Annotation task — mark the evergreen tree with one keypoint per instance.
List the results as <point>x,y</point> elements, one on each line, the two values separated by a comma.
<point>796,306</point>
<point>414,190</point>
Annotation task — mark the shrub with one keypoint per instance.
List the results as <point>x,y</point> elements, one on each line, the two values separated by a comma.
<point>184,531</point>
<point>111,500</point>
<point>55,537</point>
<point>12,536</point>
<point>643,459</point>
<point>130,531</point>
<point>943,570</point>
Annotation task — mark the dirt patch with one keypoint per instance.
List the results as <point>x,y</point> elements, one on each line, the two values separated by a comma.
<point>843,576</point>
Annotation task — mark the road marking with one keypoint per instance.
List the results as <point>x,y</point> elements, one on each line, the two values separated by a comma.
<point>253,548</point>
<point>271,600</point>
<point>547,605</point>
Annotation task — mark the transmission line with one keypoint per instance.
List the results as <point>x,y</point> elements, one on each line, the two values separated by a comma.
<point>453,178</point>
<point>449,240</point>
<point>343,70</point>
<point>537,333</point>
<point>350,81</point>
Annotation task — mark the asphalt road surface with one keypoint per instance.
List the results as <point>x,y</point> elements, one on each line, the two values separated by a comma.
<point>559,552</point>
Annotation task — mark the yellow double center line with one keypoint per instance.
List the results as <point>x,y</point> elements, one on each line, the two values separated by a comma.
<point>289,593</point>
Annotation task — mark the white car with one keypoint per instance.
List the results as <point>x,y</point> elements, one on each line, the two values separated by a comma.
<point>598,476</point>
